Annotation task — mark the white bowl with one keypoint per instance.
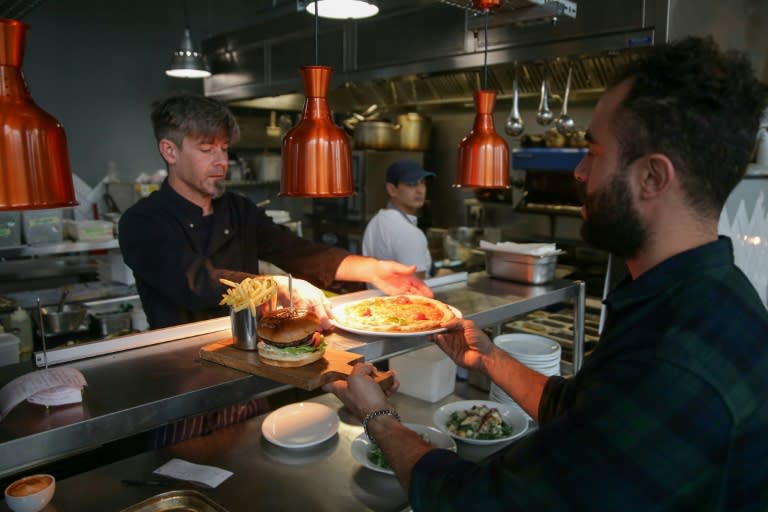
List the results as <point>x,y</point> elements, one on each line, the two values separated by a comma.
<point>361,445</point>
<point>31,493</point>
<point>515,417</point>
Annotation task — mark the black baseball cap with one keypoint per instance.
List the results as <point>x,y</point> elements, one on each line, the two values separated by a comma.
<point>406,171</point>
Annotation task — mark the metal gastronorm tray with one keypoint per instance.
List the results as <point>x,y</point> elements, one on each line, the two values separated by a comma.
<point>181,500</point>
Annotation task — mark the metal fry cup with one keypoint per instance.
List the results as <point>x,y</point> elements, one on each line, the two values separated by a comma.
<point>244,324</point>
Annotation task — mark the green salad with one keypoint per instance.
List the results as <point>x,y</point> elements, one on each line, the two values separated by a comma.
<point>376,456</point>
<point>479,422</point>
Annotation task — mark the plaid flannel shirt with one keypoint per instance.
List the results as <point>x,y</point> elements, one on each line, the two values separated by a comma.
<point>669,412</point>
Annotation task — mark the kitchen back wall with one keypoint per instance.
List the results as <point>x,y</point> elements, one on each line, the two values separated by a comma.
<point>97,67</point>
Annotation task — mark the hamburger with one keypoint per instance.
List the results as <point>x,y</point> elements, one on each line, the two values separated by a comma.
<point>290,340</point>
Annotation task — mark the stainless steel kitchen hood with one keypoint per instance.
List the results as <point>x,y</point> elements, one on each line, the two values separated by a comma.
<point>429,53</point>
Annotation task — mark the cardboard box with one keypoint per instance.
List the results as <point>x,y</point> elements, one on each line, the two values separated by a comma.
<point>426,373</point>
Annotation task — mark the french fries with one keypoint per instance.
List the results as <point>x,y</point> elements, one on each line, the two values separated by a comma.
<point>248,293</point>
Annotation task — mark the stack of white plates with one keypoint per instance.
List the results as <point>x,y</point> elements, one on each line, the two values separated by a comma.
<point>536,352</point>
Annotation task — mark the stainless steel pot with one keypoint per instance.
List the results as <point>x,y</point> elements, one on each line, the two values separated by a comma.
<point>112,322</point>
<point>266,168</point>
<point>375,135</point>
<point>414,131</point>
<point>69,319</point>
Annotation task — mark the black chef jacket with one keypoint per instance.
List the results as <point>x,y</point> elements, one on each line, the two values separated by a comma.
<point>178,256</point>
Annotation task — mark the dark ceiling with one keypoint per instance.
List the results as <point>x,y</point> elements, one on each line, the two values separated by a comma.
<point>17,9</point>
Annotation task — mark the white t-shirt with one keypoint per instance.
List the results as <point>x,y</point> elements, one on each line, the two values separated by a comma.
<point>393,235</point>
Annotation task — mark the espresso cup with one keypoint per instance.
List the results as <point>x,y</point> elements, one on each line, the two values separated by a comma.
<point>31,493</point>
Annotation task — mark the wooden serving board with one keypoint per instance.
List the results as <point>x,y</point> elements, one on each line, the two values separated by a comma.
<point>335,365</point>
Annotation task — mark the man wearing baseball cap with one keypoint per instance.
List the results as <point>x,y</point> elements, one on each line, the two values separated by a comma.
<point>393,234</point>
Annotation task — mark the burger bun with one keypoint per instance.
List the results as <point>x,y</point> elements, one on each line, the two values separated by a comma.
<point>276,357</point>
<point>282,329</point>
<point>286,338</point>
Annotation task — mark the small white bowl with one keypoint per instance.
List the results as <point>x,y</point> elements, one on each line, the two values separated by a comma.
<point>31,493</point>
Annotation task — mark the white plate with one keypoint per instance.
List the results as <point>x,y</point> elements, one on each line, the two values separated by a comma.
<point>361,445</point>
<point>300,425</point>
<point>337,313</point>
<point>512,416</point>
<point>529,348</point>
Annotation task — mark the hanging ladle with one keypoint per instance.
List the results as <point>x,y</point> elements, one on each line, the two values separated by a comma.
<point>565,123</point>
<point>514,124</point>
<point>60,306</point>
<point>544,116</point>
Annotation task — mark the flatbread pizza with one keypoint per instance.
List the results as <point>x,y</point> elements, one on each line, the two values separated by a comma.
<point>396,314</point>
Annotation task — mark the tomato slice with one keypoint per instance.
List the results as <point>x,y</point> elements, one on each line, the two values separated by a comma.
<point>317,339</point>
<point>419,316</point>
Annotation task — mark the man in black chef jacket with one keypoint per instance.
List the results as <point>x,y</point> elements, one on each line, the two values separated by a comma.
<point>183,238</point>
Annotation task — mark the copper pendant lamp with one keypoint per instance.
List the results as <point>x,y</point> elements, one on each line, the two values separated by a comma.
<point>483,155</point>
<point>34,163</point>
<point>316,154</point>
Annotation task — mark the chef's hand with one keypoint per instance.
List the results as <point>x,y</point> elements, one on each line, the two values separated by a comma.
<point>360,393</point>
<point>305,296</point>
<point>465,343</point>
<point>394,278</point>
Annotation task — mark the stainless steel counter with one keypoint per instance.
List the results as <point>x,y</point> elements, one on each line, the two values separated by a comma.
<point>324,477</point>
<point>137,390</point>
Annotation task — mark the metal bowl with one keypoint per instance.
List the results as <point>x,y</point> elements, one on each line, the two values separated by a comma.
<point>69,319</point>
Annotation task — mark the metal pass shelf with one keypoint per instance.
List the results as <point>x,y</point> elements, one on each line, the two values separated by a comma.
<point>24,251</point>
<point>138,389</point>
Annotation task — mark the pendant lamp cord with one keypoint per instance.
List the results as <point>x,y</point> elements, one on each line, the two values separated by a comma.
<point>317,15</point>
<point>186,14</point>
<point>485,52</point>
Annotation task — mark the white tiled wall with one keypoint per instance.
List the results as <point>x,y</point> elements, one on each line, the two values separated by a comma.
<point>745,220</point>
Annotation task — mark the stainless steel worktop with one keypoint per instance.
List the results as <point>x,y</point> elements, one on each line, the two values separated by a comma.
<point>325,477</point>
<point>136,390</point>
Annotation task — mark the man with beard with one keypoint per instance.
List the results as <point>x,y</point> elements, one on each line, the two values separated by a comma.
<point>181,240</point>
<point>670,411</point>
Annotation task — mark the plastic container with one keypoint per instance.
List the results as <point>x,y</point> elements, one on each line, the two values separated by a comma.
<point>9,348</point>
<point>10,229</point>
<point>21,325</point>
<point>89,230</point>
<point>427,373</point>
<point>42,226</point>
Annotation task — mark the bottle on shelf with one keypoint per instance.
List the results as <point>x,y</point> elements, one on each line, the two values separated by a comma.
<point>21,324</point>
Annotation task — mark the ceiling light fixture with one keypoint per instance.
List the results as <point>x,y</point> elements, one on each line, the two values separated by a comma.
<point>316,154</point>
<point>34,163</point>
<point>483,155</point>
<point>343,9</point>
<point>186,61</point>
